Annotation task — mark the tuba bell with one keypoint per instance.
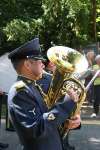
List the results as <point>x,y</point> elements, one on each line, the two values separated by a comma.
<point>69,64</point>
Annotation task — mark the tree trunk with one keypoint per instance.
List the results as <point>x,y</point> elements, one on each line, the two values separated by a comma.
<point>94,34</point>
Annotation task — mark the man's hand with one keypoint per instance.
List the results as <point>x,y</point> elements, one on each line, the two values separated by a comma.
<point>74,122</point>
<point>73,95</point>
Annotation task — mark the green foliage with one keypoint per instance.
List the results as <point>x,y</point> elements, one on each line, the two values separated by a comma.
<point>19,31</point>
<point>98,22</point>
<point>58,23</point>
<point>64,22</point>
<point>21,9</point>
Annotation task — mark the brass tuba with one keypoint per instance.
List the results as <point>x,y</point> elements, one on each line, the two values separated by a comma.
<point>69,64</point>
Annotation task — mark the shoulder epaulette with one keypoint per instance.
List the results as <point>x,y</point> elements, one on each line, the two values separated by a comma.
<point>20,85</point>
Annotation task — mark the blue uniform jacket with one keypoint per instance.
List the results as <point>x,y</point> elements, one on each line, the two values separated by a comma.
<point>36,126</point>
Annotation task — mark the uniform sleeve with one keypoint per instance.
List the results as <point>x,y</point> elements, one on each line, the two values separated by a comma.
<point>30,117</point>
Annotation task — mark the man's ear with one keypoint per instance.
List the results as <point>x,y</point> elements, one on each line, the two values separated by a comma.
<point>27,64</point>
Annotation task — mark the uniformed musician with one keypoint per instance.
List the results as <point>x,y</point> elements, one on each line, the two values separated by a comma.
<point>36,125</point>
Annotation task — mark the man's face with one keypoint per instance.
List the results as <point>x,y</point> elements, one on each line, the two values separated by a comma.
<point>51,67</point>
<point>36,67</point>
<point>91,55</point>
<point>98,61</point>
